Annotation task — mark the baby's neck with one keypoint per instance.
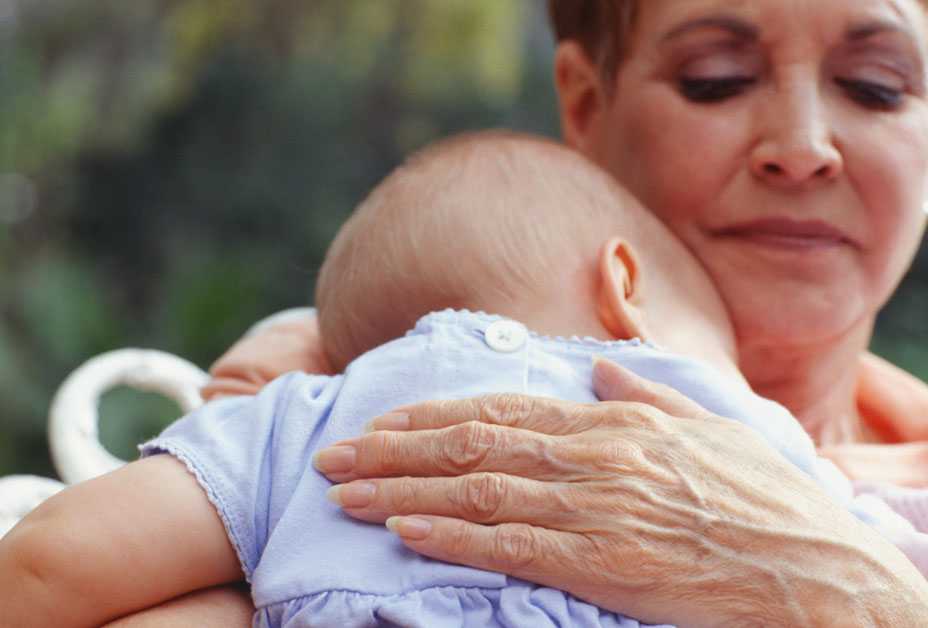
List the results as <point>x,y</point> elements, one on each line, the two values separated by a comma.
<point>688,331</point>
<point>704,346</point>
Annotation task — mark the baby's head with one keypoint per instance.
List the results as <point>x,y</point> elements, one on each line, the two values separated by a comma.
<point>522,227</point>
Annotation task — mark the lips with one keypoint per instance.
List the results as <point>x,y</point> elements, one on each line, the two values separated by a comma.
<point>788,233</point>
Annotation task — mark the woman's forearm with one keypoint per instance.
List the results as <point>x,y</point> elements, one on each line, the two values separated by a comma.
<point>220,607</point>
<point>843,576</point>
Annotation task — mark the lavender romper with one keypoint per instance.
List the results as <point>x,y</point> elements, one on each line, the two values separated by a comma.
<point>310,565</point>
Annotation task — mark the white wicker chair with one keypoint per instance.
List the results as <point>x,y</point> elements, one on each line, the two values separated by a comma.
<point>74,417</point>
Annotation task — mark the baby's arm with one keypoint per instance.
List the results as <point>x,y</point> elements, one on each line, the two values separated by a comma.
<point>130,539</point>
<point>226,606</point>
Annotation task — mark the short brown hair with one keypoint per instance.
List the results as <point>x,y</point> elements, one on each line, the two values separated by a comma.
<point>600,26</point>
<point>493,220</point>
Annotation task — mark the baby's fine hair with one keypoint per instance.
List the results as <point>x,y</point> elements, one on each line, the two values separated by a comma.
<point>492,220</point>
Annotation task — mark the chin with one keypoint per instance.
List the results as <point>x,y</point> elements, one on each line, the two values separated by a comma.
<point>797,322</point>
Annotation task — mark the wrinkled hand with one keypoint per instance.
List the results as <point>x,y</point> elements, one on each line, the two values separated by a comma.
<point>260,358</point>
<point>627,505</point>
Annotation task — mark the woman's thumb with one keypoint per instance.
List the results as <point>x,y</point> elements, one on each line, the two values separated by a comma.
<point>612,382</point>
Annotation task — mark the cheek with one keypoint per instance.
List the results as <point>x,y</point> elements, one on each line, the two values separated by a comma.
<point>676,159</point>
<point>887,163</point>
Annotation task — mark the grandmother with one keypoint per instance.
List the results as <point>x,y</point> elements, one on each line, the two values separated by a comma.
<point>786,144</point>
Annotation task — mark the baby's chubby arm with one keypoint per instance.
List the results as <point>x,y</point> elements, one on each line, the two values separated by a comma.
<point>104,548</point>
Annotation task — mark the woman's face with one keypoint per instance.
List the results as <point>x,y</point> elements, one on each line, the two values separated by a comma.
<point>786,143</point>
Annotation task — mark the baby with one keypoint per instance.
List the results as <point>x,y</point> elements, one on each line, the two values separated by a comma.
<point>508,224</point>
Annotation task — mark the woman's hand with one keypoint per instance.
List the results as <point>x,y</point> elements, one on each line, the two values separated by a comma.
<point>261,357</point>
<point>651,507</point>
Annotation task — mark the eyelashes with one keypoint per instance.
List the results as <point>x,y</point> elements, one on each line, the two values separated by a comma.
<point>865,93</point>
<point>872,95</point>
<point>714,90</point>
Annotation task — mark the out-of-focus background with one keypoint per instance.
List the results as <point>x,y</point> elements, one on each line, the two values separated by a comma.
<point>171,171</point>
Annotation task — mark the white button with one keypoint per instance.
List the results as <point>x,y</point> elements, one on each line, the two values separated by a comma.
<point>506,336</point>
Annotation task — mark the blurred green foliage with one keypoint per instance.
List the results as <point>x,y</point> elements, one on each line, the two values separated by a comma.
<point>172,170</point>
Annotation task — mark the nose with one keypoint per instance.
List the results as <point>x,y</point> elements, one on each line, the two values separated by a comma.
<point>796,145</point>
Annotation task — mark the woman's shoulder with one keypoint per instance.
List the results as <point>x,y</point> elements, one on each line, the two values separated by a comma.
<point>892,401</point>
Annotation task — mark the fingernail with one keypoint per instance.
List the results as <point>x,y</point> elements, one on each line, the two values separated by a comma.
<point>354,495</point>
<point>339,459</point>
<point>393,421</point>
<point>409,527</point>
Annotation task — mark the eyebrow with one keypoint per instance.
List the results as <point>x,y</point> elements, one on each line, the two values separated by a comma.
<point>735,26</point>
<point>747,31</point>
<point>866,30</point>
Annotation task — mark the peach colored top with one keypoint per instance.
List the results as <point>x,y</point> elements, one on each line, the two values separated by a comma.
<point>892,401</point>
<point>894,406</point>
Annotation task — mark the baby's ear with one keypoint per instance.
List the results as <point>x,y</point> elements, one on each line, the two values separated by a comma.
<point>619,302</point>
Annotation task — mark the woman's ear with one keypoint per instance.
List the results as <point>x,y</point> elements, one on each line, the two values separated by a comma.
<point>620,300</point>
<point>580,94</point>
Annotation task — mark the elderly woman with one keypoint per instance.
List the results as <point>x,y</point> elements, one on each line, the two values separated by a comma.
<point>786,144</point>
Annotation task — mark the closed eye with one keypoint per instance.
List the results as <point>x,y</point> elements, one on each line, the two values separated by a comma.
<point>872,95</point>
<point>704,90</point>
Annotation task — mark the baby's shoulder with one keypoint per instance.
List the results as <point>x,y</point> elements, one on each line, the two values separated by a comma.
<point>300,386</point>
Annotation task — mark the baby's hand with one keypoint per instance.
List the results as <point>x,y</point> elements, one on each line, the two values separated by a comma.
<point>262,357</point>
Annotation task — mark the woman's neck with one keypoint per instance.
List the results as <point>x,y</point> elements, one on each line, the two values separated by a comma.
<point>817,383</point>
